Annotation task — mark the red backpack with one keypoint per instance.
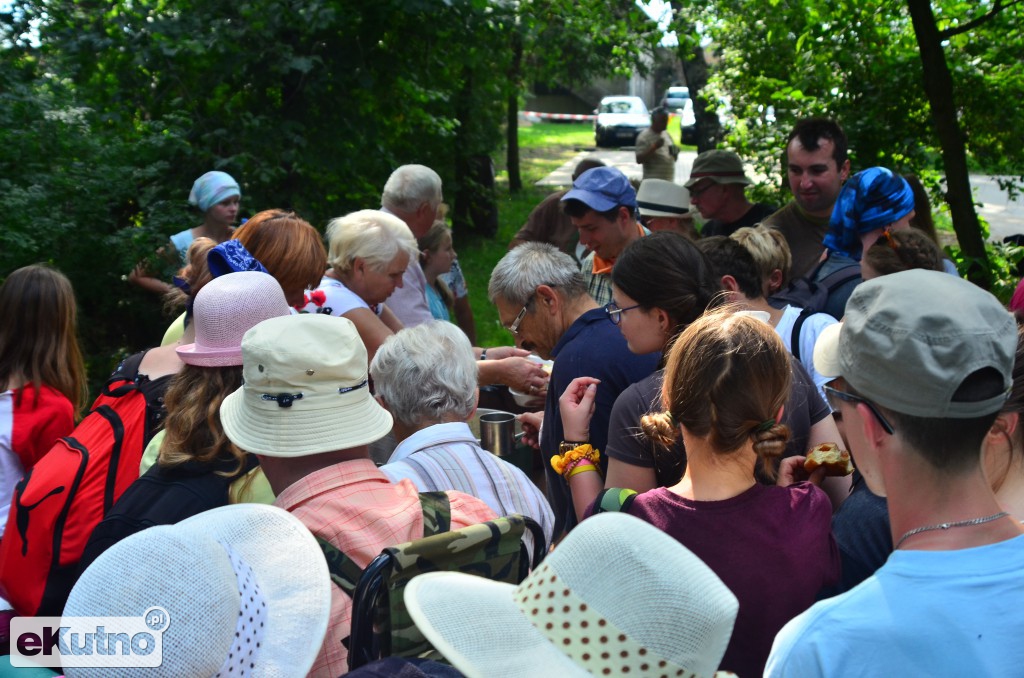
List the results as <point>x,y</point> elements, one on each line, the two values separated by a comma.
<point>68,492</point>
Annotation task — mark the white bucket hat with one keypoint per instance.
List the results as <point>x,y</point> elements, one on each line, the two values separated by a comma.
<point>306,390</point>
<point>659,611</point>
<point>224,309</point>
<point>245,587</point>
<point>660,198</point>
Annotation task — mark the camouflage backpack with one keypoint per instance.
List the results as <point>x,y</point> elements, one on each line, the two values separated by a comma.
<point>381,625</point>
<point>437,518</point>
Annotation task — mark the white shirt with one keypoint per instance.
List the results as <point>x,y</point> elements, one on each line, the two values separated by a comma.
<point>813,326</point>
<point>448,457</point>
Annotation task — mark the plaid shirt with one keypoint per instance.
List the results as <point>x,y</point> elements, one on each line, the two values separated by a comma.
<point>355,507</point>
<point>599,285</point>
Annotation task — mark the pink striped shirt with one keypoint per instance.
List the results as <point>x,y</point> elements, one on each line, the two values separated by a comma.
<point>355,507</point>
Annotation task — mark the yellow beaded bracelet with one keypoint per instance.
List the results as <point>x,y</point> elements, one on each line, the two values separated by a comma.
<point>559,462</point>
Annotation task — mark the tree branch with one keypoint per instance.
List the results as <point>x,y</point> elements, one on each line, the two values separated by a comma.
<point>974,23</point>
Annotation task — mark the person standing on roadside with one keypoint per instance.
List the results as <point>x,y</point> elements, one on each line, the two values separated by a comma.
<point>655,149</point>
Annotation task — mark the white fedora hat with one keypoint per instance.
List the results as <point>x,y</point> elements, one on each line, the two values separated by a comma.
<point>245,588</point>
<point>306,389</point>
<point>660,198</point>
<point>659,611</point>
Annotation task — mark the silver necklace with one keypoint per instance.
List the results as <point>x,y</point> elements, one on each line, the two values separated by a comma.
<point>946,526</point>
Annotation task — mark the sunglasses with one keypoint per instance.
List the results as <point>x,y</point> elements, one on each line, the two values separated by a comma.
<point>834,395</point>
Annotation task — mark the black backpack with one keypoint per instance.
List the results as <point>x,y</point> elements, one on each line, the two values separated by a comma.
<point>812,295</point>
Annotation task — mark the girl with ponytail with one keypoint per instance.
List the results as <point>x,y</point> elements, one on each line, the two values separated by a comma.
<point>726,380</point>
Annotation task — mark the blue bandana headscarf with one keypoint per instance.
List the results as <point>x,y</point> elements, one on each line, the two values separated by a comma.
<point>228,257</point>
<point>232,257</point>
<point>211,188</point>
<point>870,200</point>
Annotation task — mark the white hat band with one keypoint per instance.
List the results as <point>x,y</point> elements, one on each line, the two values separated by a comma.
<point>243,656</point>
<point>582,633</point>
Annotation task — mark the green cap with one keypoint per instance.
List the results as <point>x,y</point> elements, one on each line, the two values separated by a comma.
<point>909,340</point>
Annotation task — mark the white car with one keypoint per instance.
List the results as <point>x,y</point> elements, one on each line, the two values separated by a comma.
<point>619,120</point>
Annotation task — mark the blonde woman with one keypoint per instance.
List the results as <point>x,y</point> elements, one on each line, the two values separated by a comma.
<point>368,252</point>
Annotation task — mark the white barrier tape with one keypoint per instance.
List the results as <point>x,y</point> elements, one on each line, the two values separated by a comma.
<point>558,116</point>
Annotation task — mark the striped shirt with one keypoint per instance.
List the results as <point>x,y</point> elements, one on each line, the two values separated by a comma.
<point>448,457</point>
<point>354,506</point>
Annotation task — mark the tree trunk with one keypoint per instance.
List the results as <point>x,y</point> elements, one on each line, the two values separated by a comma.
<point>515,179</point>
<point>695,70</point>
<point>938,85</point>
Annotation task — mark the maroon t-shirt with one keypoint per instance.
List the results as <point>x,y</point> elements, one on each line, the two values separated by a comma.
<point>772,546</point>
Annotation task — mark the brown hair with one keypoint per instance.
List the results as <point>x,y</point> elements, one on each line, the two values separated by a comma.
<point>195,273</point>
<point>38,334</point>
<point>193,428</point>
<point>288,247</point>
<point>726,378</point>
<point>923,219</point>
<point>903,250</point>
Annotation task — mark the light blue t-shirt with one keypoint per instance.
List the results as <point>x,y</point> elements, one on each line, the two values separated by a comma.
<point>924,613</point>
<point>438,309</point>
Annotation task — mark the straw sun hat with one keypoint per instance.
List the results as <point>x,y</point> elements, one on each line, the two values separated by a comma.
<point>659,612</point>
<point>245,588</point>
<point>224,309</point>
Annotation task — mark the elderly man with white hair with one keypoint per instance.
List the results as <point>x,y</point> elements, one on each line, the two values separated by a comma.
<point>413,194</point>
<point>542,299</point>
<point>426,376</point>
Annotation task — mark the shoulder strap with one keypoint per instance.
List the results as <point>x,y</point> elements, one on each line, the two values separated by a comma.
<point>127,371</point>
<point>437,512</point>
<point>437,518</point>
<point>344,572</point>
<point>617,499</point>
<point>794,337</point>
<point>840,276</point>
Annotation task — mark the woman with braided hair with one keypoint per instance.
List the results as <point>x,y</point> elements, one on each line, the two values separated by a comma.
<point>726,380</point>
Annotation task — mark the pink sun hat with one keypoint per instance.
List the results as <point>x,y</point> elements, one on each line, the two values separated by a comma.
<point>224,310</point>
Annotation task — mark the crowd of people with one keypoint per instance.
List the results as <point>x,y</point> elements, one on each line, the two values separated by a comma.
<point>313,404</point>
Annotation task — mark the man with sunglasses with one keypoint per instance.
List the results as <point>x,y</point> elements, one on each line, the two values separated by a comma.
<point>717,186</point>
<point>542,300</point>
<point>923,363</point>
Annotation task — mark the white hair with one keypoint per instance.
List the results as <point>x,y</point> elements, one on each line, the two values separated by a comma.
<point>410,186</point>
<point>523,269</point>
<point>426,374</point>
<point>372,235</point>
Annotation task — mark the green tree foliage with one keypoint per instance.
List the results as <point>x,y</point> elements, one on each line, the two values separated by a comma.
<point>556,42</point>
<point>859,61</point>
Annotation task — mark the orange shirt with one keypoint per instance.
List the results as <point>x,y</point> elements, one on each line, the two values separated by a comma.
<point>355,507</point>
<point>605,265</point>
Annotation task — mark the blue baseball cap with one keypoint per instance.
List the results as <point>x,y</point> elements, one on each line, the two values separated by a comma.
<point>602,189</point>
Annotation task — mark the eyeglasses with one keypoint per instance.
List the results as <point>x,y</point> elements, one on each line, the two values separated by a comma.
<point>834,395</point>
<point>696,192</point>
<point>514,327</point>
<point>615,313</point>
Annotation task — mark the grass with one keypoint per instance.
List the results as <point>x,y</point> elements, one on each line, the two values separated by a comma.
<point>543,148</point>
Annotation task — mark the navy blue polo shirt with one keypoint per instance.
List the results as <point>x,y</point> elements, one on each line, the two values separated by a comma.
<point>591,347</point>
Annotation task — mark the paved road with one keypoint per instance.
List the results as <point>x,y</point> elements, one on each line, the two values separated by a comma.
<point>1004,216</point>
